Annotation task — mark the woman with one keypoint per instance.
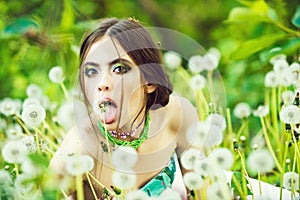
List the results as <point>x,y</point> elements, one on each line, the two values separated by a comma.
<point>122,78</point>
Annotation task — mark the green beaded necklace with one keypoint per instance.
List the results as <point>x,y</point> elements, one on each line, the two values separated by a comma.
<point>135,143</point>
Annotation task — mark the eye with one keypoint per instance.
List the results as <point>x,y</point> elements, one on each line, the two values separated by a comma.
<point>120,68</point>
<point>90,71</point>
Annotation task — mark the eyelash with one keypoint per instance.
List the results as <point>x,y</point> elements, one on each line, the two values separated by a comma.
<point>123,68</point>
<point>118,68</point>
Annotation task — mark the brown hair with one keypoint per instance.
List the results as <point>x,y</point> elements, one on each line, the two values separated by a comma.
<point>138,44</point>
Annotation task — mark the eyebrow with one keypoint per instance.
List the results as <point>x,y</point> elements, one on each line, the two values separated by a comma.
<point>118,60</point>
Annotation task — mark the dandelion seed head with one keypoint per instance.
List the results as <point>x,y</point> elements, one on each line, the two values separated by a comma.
<point>242,110</point>
<point>56,74</point>
<point>30,168</point>
<point>14,131</point>
<point>214,51</point>
<point>217,191</point>
<point>291,179</point>
<point>124,157</point>
<point>124,180</point>
<point>260,160</point>
<point>196,134</point>
<point>79,164</point>
<point>34,91</point>
<point>287,97</point>
<point>189,157</point>
<point>261,111</point>
<point>5,178</point>
<point>210,62</point>
<point>222,157</point>
<point>290,114</point>
<point>28,141</point>
<point>294,72</point>
<point>8,107</point>
<point>33,115</point>
<point>195,64</point>
<point>31,101</point>
<point>65,114</point>
<point>258,140</point>
<point>277,57</point>
<point>197,82</point>
<point>272,79</point>
<point>216,119</point>
<point>14,152</point>
<point>172,59</point>
<point>3,124</point>
<point>204,167</point>
<point>24,184</point>
<point>280,65</point>
<point>170,194</point>
<point>193,181</point>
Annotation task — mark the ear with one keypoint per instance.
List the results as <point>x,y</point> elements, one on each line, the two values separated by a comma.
<point>150,88</point>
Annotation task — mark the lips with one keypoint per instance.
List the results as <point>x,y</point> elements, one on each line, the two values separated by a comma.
<point>108,110</point>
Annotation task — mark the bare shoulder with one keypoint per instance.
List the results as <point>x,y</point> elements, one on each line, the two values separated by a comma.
<point>182,114</point>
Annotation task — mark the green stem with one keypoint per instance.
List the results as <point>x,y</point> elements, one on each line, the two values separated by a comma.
<point>269,144</point>
<point>99,183</point>
<point>37,140</point>
<point>17,169</point>
<point>211,90</point>
<point>246,174</point>
<point>283,167</point>
<point>79,187</point>
<point>64,90</point>
<point>91,186</point>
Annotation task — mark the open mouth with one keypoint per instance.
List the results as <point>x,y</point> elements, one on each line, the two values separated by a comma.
<point>108,111</point>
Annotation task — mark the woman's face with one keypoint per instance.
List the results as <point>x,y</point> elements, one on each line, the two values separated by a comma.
<point>109,74</point>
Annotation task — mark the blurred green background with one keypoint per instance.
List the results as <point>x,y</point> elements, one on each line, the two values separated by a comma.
<point>36,35</point>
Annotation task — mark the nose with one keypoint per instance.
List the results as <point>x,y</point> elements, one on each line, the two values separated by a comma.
<point>104,83</point>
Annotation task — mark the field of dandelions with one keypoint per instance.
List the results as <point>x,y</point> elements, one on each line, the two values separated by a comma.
<point>246,152</point>
<point>32,129</point>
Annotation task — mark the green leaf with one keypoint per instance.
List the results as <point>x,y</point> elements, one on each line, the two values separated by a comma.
<point>39,160</point>
<point>237,184</point>
<point>296,18</point>
<point>245,15</point>
<point>253,46</point>
<point>20,26</point>
<point>67,19</point>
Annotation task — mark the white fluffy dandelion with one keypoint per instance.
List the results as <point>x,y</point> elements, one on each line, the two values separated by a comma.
<point>189,157</point>
<point>217,191</point>
<point>56,74</point>
<point>124,180</point>
<point>214,51</point>
<point>214,136</point>
<point>287,97</point>
<point>277,57</point>
<point>14,152</point>
<point>197,82</point>
<point>137,195</point>
<point>14,131</point>
<point>210,62</point>
<point>216,119</point>
<point>79,164</point>
<point>30,168</point>
<point>33,115</point>
<point>290,114</point>
<point>34,91</point>
<point>280,65</point>
<point>205,167</point>
<point>5,178</point>
<point>31,101</point>
<point>24,184</point>
<point>3,124</point>
<point>172,59</point>
<point>291,181</point>
<point>193,181</point>
<point>65,114</point>
<point>242,110</point>
<point>195,64</point>
<point>8,107</point>
<point>272,79</point>
<point>295,72</point>
<point>28,141</point>
<point>169,194</point>
<point>261,111</point>
<point>222,157</point>
<point>124,157</point>
<point>260,160</point>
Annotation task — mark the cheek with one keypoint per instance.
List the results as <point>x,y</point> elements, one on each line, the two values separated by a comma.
<point>91,89</point>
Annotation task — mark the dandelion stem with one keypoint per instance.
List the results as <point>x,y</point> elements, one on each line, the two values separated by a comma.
<point>229,125</point>
<point>64,90</point>
<point>274,115</point>
<point>269,144</point>
<point>246,174</point>
<point>37,140</point>
<point>64,194</point>
<point>23,125</point>
<point>259,183</point>
<point>211,89</point>
<point>79,187</point>
<point>99,183</point>
<point>295,143</point>
<point>283,167</point>
<point>91,186</point>
<point>17,169</point>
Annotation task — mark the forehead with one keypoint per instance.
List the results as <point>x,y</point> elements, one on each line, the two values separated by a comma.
<point>106,50</point>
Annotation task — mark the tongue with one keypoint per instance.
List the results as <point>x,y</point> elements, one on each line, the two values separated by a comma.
<point>109,115</point>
